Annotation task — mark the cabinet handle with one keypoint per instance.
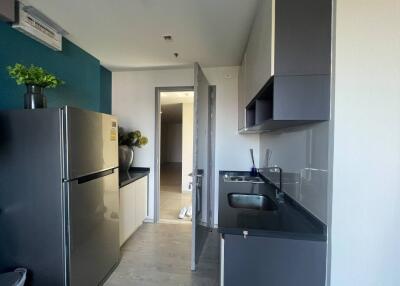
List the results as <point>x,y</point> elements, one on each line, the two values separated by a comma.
<point>245,234</point>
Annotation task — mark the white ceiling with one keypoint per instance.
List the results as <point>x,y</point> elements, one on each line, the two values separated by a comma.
<point>127,34</point>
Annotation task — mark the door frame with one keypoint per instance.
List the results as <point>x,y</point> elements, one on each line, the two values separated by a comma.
<point>157,145</point>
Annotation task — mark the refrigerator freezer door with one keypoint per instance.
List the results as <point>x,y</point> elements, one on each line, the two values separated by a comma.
<point>91,142</point>
<point>93,225</point>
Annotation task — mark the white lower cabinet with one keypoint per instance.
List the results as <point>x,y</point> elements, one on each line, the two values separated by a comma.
<point>133,208</point>
<point>141,200</point>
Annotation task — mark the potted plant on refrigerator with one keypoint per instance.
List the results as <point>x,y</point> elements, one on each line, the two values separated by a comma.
<point>127,141</point>
<point>36,80</point>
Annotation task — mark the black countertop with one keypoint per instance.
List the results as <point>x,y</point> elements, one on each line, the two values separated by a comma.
<point>133,174</point>
<point>290,220</point>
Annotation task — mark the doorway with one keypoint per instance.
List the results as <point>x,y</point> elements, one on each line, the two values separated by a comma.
<point>202,168</point>
<point>175,154</point>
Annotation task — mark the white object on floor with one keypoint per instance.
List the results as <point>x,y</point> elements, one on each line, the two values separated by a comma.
<point>182,213</point>
<point>189,212</point>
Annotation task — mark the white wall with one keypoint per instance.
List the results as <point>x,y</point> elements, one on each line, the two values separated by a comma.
<point>134,104</point>
<point>365,233</point>
<point>187,144</point>
<point>231,149</point>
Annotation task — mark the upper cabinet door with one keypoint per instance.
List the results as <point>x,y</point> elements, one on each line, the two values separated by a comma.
<point>302,37</point>
<point>260,49</point>
<point>242,94</point>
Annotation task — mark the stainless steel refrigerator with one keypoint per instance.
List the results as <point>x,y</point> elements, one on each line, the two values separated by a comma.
<point>59,200</point>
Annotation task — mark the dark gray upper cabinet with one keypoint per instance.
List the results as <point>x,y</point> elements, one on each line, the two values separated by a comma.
<point>242,91</point>
<point>257,63</point>
<point>7,10</point>
<point>284,79</point>
<point>302,37</point>
<point>259,53</point>
<point>303,97</point>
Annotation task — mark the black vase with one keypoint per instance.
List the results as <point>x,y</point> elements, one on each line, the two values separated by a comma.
<point>34,97</point>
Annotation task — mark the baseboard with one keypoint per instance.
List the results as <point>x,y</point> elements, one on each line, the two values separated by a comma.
<point>148,220</point>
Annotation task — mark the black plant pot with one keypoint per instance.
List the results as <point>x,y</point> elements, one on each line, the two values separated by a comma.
<point>34,97</point>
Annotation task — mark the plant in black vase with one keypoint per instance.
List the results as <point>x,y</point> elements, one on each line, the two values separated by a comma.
<point>36,80</point>
<point>127,141</point>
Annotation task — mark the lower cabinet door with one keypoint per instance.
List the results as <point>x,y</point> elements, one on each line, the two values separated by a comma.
<point>127,202</point>
<point>141,200</point>
<point>270,261</point>
<point>133,208</point>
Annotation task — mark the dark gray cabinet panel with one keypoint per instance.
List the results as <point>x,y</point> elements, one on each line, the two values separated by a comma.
<point>302,97</point>
<point>288,101</point>
<point>273,261</point>
<point>241,95</point>
<point>7,10</point>
<point>259,51</point>
<point>302,37</point>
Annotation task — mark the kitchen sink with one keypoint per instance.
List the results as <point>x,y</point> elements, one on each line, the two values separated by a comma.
<point>251,201</point>
<point>243,179</point>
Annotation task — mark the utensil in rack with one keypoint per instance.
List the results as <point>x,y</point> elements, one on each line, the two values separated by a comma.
<point>254,170</point>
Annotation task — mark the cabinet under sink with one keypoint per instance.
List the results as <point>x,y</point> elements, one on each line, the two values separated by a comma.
<point>271,261</point>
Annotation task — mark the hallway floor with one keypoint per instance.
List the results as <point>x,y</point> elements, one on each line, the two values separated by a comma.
<point>172,199</point>
<point>159,254</point>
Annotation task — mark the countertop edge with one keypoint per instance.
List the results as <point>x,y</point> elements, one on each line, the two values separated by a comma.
<point>273,234</point>
<point>132,175</point>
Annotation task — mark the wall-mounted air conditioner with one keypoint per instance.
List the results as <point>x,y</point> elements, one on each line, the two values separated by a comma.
<point>38,26</point>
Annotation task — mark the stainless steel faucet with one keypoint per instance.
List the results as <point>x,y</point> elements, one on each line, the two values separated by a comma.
<point>268,154</point>
<point>279,194</point>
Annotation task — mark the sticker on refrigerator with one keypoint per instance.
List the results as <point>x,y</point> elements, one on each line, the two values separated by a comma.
<point>113,134</point>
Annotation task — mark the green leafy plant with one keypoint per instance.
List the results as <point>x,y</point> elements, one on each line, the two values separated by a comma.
<point>131,139</point>
<point>33,75</point>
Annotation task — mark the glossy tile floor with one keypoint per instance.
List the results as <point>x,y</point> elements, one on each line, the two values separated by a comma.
<point>159,255</point>
<point>172,199</point>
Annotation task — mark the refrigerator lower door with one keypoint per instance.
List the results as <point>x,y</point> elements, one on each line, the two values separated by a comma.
<point>93,226</point>
<point>91,142</point>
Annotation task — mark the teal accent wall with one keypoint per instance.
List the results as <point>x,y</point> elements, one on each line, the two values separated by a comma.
<point>105,90</point>
<point>81,72</point>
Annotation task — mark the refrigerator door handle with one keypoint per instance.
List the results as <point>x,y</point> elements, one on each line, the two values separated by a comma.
<point>95,176</point>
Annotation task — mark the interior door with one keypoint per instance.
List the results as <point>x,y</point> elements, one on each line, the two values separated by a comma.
<point>201,191</point>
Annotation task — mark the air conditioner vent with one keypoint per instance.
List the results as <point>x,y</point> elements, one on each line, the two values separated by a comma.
<point>38,28</point>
